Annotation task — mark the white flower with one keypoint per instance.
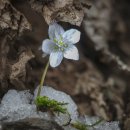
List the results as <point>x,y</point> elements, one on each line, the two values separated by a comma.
<point>61,44</point>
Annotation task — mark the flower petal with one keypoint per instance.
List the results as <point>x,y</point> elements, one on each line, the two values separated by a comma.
<point>72,53</point>
<point>72,36</point>
<point>56,58</point>
<point>55,30</point>
<point>48,46</point>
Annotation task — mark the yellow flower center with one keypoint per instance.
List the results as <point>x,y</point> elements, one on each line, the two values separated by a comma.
<point>60,44</point>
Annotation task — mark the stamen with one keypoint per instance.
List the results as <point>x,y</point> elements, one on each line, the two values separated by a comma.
<point>55,40</point>
<point>60,44</point>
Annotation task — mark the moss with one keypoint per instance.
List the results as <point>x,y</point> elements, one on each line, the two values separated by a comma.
<point>81,126</point>
<point>46,104</point>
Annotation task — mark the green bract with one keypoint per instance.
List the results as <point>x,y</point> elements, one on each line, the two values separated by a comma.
<point>46,104</point>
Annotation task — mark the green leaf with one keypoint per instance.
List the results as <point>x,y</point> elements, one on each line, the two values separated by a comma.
<point>80,126</point>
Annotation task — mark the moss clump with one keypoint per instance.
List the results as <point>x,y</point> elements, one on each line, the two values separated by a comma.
<point>45,104</point>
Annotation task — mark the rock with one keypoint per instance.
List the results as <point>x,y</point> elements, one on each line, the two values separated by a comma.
<point>103,125</point>
<point>20,106</point>
<point>99,126</point>
<point>70,11</point>
<point>18,112</point>
<point>97,23</point>
<point>108,126</point>
<point>17,105</point>
<point>31,124</point>
<point>12,20</point>
<point>61,97</point>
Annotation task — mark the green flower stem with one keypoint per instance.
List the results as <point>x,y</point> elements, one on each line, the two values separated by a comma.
<point>42,79</point>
